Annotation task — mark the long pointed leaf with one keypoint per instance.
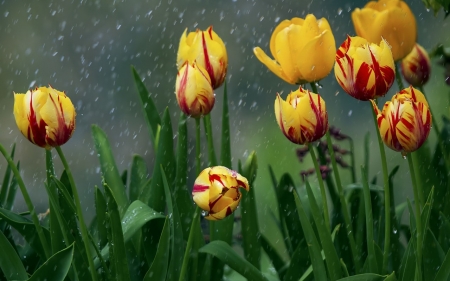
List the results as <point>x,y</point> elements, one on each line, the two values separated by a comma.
<point>56,267</point>
<point>10,262</point>
<point>158,269</point>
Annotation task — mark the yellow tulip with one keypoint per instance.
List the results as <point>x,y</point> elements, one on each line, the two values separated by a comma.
<point>303,50</point>
<point>416,66</point>
<point>193,89</point>
<point>45,116</point>
<point>216,190</point>
<point>365,71</point>
<point>208,50</point>
<point>302,117</point>
<point>391,20</point>
<point>405,121</point>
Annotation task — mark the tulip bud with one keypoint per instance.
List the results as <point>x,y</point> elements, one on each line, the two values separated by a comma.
<point>45,116</point>
<point>193,89</point>
<point>365,71</point>
<point>303,50</point>
<point>405,121</point>
<point>302,117</point>
<point>208,50</point>
<point>416,66</point>
<point>391,20</point>
<point>216,190</point>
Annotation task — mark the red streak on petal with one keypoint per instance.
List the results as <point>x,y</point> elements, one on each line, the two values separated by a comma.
<point>229,212</point>
<point>199,188</point>
<point>321,126</point>
<point>208,65</point>
<point>181,94</point>
<point>36,132</point>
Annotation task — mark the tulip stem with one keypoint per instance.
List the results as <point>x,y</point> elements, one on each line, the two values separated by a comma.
<point>28,201</point>
<point>352,159</point>
<point>76,198</point>
<point>398,77</point>
<point>322,187</point>
<point>387,197</point>
<point>344,208</point>
<point>209,138</point>
<point>194,226</point>
<point>418,218</point>
<point>197,144</point>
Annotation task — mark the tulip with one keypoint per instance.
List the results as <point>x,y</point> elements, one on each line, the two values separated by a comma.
<point>302,117</point>
<point>208,50</point>
<point>45,116</point>
<point>416,66</point>
<point>405,121</point>
<point>216,190</point>
<point>365,71</point>
<point>303,50</point>
<point>391,20</point>
<point>193,89</point>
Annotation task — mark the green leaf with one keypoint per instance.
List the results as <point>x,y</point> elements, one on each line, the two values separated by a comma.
<point>10,262</point>
<point>139,177</point>
<point>12,191</point>
<point>177,244</point>
<point>407,268</point>
<point>4,190</point>
<point>117,252</point>
<point>154,195</point>
<point>299,263</point>
<point>371,257</point>
<point>109,168</point>
<point>249,215</point>
<point>225,253</point>
<point>311,240</point>
<point>56,267</point>
<point>331,257</point>
<point>426,211</point>
<point>181,193</point>
<point>370,277</point>
<point>277,262</point>
<point>158,269</point>
<point>212,160</point>
<point>100,210</point>
<point>150,111</point>
<point>27,229</point>
<point>444,270</point>
<point>225,151</point>
<point>433,255</point>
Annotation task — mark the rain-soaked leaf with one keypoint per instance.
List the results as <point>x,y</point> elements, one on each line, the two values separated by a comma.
<point>56,267</point>
<point>370,277</point>
<point>158,269</point>
<point>10,263</point>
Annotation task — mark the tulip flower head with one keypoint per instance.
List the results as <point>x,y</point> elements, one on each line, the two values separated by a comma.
<point>216,190</point>
<point>405,121</point>
<point>302,117</point>
<point>416,66</point>
<point>208,50</point>
<point>303,50</point>
<point>45,116</point>
<point>388,19</point>
<point>193,89</point>
<point>364,70</point>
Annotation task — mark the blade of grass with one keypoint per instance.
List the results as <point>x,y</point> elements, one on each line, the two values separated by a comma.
<point>56,267</point>
<point>10,262</point>
<point>4,190</point>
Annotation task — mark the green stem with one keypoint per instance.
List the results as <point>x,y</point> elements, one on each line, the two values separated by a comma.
<point>352,160</point>
<point>322,187</point>
<point>418,217</point>
<point>84,232</point>
<point>194,225</point>
<point>197,145</point>
<point>209,138</point>
<point>387,197</point>
<point>344,208</point>
<point>398,78</point>
<point>28,201</point>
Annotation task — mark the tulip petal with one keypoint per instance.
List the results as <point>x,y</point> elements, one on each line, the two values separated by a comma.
<point>271,64</point>
<point>284,24</point>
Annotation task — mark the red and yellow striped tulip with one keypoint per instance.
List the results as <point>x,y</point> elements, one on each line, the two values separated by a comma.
<point>364,70</point>
<point>302,117</point>
<point>216,190</point>
<point>303,50</point>
<point>208,50</point>
<point>391,20</point>
<point>405,121</point>
<point>45,116</point>
<point>193,89</point>
<point>416,66</point>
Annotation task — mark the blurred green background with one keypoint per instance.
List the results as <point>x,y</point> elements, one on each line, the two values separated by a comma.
<point>86,48</point>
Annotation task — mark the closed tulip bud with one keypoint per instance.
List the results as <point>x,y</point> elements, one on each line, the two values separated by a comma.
<point>405,121</point>
<point>208,50</point>
<point>364,70</point>
<point>303,50</point>
<point>388,19</point>
<point>216,191</point>
<point>45,116</point>
<point>193,89</point>
<point>416,66</point>
<point>302,117</point>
